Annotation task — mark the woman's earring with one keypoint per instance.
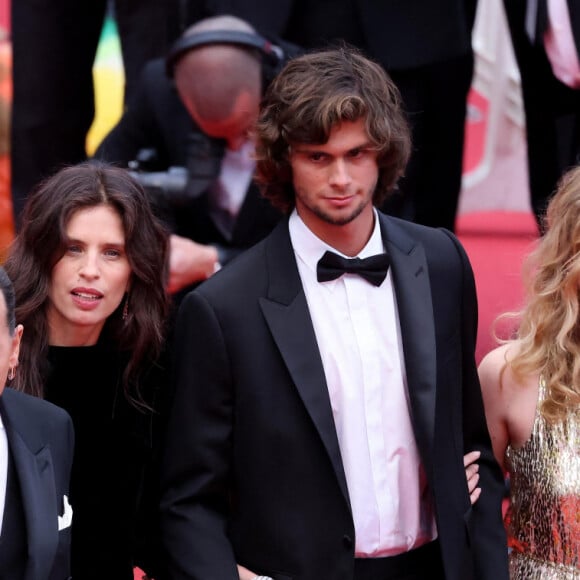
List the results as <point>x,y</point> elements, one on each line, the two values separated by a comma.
<point>126,307</point>
<point>11,373</point>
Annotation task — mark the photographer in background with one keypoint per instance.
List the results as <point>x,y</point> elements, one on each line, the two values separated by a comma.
<point>194,111</point>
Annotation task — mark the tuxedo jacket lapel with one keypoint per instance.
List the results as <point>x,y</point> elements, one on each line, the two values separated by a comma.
<point>415,307</point>
<point>286,312</point>
<point>33,463</point>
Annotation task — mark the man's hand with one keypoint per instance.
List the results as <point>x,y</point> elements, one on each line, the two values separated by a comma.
<point>245,574</point>
<point>189,262</point>
<point>472,475</point>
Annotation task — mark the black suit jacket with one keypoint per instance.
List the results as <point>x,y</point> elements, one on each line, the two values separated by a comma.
<point>253,470</point>
<point>425,45</point>
<point>552,109</point>
<point>156,118</point>
<point>40,437</point>
<point>401,34</point>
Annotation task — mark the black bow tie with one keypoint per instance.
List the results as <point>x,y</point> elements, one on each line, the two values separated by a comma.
<point>373,269</point>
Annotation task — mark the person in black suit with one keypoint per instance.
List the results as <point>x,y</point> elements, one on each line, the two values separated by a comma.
<point>201,119</point>
<point>36,452</point>
<point>426,48</point>
<point>552,108</point>
<point>320,417</point>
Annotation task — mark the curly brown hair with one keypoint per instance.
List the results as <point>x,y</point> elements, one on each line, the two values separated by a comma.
<point>313,93</point>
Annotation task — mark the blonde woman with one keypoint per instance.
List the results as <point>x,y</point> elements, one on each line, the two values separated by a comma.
<point>531,388</point>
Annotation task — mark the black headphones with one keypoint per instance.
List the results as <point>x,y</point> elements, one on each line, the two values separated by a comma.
<point>273,56</point>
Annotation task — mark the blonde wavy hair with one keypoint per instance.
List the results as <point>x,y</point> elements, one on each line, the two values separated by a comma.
<point>549,329</point>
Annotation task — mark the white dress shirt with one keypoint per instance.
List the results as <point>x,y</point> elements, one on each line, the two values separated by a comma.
<point>229,191</point>
<point>3,469</point>
<point>358,333</point>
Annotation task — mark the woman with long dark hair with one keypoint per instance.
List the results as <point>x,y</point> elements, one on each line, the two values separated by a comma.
<point>89,271</point>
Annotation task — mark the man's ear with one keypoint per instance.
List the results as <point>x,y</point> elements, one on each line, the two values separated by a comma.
<point>16,339</point>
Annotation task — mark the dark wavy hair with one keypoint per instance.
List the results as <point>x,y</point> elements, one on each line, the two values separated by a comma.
<point>41,243</point>
<point>313,93</point>
<point>7,290</point>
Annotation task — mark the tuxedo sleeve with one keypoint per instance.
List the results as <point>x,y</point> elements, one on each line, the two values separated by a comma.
<point>487,533</point>
<point>196,466</point>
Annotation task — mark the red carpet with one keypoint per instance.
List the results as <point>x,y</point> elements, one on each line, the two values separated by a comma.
<point>495,240</point>
<point>496,243</point>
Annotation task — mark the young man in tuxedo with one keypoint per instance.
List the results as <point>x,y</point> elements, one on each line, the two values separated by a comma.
<point>326,387</point>
<point>36,451</point>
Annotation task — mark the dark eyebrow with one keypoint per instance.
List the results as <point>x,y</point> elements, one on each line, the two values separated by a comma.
<point>366,147</point>
<point>314,148</point>
<point>120,245</point>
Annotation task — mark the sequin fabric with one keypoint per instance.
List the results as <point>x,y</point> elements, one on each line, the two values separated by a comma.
<point>543,520</point>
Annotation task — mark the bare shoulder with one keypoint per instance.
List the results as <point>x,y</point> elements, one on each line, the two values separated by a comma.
<point>492,366</point>
<point>492,371</point>
<point>508,399</point>
<point>495,373</point>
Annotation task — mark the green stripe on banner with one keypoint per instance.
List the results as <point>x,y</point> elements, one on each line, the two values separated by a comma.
<point>109,80</point>
<point>109,49</point>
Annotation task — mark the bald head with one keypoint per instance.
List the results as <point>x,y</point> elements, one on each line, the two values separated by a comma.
<point>222,22</point>
<point>216,81</point>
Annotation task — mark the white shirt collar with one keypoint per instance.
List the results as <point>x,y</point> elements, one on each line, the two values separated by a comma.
<point>310,248</point>
<point>242,157</point>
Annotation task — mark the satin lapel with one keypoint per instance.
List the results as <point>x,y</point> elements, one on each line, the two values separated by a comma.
<point>288,318</point>
<point>36,477</point>
<point>413,292</point>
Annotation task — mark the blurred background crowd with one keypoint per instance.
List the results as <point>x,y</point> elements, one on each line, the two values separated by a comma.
<point>476,182</point>
<point>490,89</point>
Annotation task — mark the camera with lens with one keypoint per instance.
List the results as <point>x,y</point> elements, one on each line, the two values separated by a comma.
<point>178,186</point>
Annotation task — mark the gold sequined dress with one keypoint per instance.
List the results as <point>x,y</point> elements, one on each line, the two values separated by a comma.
<point>543,520</point>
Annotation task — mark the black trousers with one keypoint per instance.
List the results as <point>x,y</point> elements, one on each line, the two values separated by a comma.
<point>420,564</point>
